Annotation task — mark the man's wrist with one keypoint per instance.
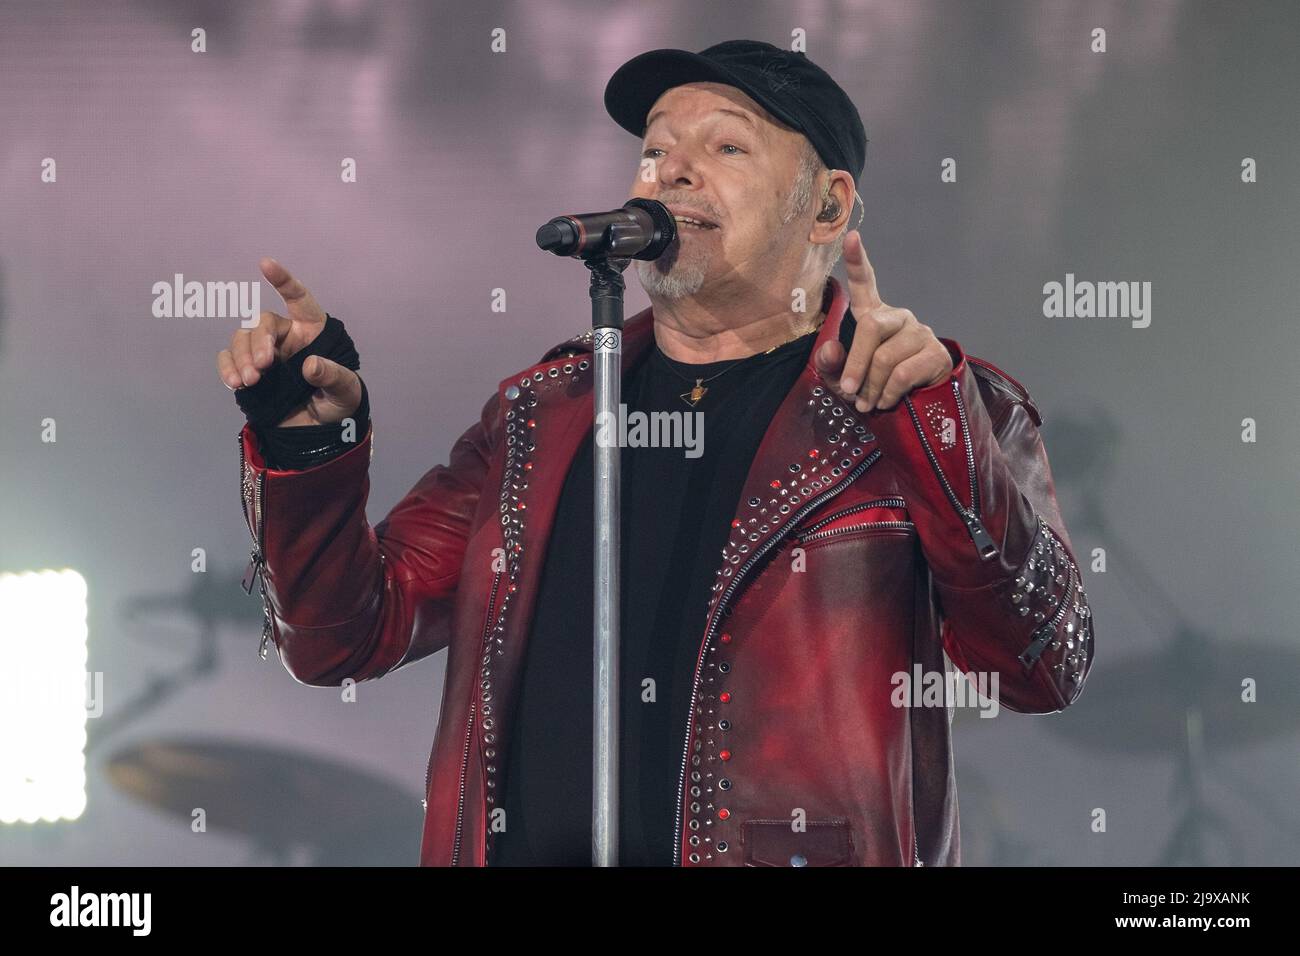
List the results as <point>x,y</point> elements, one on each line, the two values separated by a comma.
<point>297,447</point>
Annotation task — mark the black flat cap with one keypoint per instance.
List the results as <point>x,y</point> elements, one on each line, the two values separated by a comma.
<point>787,84</point>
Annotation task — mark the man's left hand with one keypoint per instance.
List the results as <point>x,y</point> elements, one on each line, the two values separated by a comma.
<point>892,352</point>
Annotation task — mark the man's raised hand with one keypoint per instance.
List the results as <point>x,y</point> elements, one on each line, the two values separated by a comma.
<point>278,338</point>
<point>892,353</point>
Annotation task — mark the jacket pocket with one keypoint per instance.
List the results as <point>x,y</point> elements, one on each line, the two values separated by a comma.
<point>880,514</point>
<point>776,843</point>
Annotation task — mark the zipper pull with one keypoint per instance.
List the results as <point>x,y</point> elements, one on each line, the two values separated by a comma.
<point>251,572</point>
<point>1030,655</point>
<point>983,542</point>
<point>266,635</point>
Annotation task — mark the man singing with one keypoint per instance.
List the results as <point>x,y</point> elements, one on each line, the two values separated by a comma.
<point>865,498</point>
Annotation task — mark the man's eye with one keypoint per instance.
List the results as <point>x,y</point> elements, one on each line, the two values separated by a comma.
<point>654,149</point>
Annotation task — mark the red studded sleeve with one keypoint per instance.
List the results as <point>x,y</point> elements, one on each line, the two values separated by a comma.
<point>344,599</point>
<point>984,504</point>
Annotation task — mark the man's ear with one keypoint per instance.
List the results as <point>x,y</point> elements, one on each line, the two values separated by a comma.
<point>835,202</point>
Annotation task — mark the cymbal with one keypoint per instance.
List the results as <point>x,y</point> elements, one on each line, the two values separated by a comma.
<point>274,796</point>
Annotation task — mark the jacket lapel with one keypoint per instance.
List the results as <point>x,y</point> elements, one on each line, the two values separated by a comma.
<point>547,412</point>
<point>813,447</point>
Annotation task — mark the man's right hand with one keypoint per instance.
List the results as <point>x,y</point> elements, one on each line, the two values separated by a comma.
<point>277,339</point>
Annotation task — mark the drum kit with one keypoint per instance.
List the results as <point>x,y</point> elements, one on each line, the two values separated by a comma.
<point>1187,703</point>
<point>1191,701</point>
<point>288,806</point>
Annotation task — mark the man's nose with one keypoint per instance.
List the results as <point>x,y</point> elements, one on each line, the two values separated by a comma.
<point>677,169</point>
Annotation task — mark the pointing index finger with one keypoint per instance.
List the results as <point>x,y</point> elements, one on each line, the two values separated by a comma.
<point>864,294</point>
<point>299,302</point>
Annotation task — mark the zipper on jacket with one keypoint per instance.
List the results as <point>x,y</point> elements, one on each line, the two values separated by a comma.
<point>469,725</point>
<point>894,502</point>
<point>817,536</point>
<point>256,557</point>
<point>730,591</point>
<point>970,517</point>
<point>1043,636</point>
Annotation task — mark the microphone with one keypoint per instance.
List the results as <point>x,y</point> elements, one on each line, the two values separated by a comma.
<point>641,229</point>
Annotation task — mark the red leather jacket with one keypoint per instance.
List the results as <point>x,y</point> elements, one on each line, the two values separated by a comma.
<point>862,548</point>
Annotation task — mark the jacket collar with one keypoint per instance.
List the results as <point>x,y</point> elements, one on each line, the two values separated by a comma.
<point>812,449</point>
<point>809,450</point>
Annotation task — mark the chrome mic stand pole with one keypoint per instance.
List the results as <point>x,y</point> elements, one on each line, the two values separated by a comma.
<point>642,229</point>
<point>607,344</point>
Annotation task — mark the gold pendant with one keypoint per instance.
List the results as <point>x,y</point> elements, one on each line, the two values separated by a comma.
<point>692,398</point>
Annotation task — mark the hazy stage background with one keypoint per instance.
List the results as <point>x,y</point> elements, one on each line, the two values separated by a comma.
<point>1115,166</point>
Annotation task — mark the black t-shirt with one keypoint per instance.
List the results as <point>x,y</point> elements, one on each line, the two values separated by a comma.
<point>676,519</point>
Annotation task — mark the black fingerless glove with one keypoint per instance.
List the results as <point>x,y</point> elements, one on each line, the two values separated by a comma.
<point>297,447</point>
<point>281,389</point>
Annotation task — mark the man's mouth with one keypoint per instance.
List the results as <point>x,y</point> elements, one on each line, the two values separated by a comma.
<point>693,222</point>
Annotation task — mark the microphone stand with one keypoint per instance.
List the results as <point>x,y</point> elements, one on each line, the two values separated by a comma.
<point>606,290</point>
<point>613,233</point>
